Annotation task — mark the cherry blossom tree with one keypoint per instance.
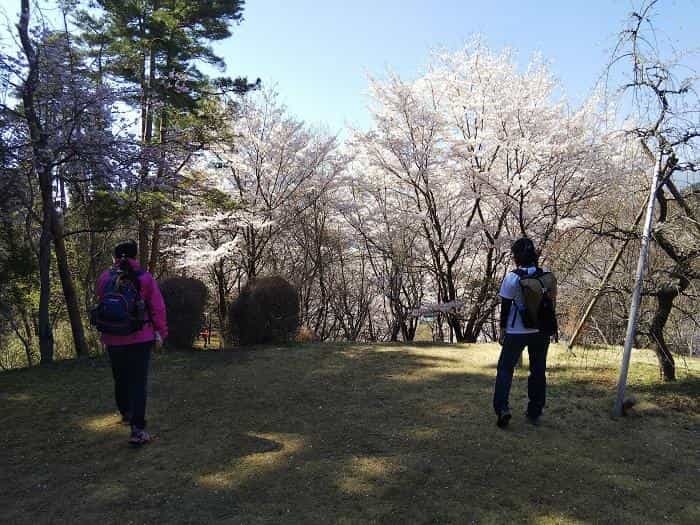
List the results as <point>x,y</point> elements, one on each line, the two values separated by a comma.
<point>265,177</point>
<point>376,211</point>
<point>271,163</point>
<point>482,153</point>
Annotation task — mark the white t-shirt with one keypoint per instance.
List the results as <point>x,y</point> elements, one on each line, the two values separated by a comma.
<point>510,289</point>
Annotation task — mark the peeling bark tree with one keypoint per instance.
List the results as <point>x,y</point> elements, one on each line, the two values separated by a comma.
<point>667,110</point>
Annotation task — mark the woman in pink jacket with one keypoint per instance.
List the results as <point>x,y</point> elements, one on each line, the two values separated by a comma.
<point>130,353</point>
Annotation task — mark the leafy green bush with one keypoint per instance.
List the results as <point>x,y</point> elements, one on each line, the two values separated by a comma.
<point>266,311</point>
<point>185,301</point>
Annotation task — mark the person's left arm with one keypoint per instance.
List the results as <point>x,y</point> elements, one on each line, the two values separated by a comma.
<point>156,308</point>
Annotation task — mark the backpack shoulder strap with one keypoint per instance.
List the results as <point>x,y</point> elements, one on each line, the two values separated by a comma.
<point>548,282</point>
<point>111,282</point>
<point>523,274</point>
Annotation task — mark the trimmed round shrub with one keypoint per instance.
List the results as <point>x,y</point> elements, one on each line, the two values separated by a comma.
<point>185,301</point>
<point>266,311</point>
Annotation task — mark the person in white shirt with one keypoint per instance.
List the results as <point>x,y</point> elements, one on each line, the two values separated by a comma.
<point>515,337</point>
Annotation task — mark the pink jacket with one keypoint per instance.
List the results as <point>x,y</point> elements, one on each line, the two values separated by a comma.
<point>154,306</point>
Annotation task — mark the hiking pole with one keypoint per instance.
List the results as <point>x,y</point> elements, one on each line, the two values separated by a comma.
<point>637,291</point>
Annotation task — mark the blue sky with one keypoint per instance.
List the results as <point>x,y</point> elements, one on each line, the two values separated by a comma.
<point>318,52</point>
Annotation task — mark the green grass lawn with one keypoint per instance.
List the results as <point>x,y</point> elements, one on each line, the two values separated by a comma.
<point>350,434</point>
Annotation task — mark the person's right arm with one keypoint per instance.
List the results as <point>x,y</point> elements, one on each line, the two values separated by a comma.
<point>505,310</point>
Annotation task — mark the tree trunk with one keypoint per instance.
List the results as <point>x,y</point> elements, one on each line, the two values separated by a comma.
<point>147,76</point>
<point>157,212</point>
<point>370,327</point>
<point>667,294</point>
<point>71,297</point>
<point>395,328</point>
<point>41,166</point>
<point>154,248</point>
<point>143,242</point>
<point>28,352</point>
<point>18,328</point>
<point>411,329</point>
<point>664,301</point>
<point>405,332</point>
<point>45,328</point>
<point>221,292</point>
<point>91,275</point>
<point>468,338</point>
<point>28,342</point>
<point>456,328</point>
<point>252,253</point>
<point>453,318</point>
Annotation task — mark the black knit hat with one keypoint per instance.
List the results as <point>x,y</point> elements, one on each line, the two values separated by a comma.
<point>127,249</point>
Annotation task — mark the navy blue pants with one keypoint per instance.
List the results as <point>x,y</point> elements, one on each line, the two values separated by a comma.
<point>513,345</point>
<point>130,371</point>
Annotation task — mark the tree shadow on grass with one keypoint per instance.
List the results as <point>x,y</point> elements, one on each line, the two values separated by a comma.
<point>355,433</point>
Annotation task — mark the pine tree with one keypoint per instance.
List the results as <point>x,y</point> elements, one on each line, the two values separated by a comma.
<point>157,47</point>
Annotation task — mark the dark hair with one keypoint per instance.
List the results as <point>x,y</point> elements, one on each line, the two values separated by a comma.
<point>124,251</point>
<point>524,252</point>
<point>126,248</point>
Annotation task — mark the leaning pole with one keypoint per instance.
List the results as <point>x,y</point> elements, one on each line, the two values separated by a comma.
<point>637,291</point>
<point>599,291</point>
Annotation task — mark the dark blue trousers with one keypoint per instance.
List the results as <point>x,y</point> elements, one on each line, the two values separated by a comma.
<point>130,371</point>
<point>513,345</point>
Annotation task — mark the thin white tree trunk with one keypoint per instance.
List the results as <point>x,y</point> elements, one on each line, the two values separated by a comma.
<point>637,292</point>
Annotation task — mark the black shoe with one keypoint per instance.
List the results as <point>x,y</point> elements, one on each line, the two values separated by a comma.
<point>126,419</point>
<point>533,420</point>
<point>503,419</point>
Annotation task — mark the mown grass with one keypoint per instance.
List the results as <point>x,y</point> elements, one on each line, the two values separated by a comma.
<point>349,434</point>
